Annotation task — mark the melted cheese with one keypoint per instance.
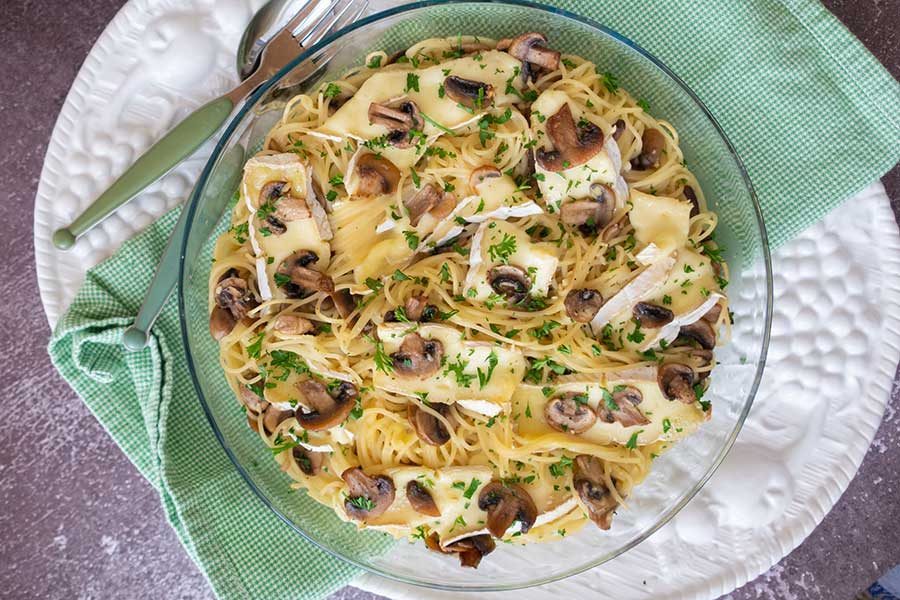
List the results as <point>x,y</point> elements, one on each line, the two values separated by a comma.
<point>663,221</point>
<point>575,182</point>
<point>302,234</point>
<point>644,285</point>
<point>669,419</point>
<point>455,507</point>
<point>539,260</point>
<point>494,68</point>
<point>445,386</point>
<point>379,260</point>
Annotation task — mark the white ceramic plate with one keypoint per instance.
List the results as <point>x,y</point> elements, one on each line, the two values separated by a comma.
<point>835,333</point>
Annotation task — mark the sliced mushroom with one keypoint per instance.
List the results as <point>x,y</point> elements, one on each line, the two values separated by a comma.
<point>309,462</point>
<point>368,497</point>
<point>272,191</point>
<point>233,293</point>
<point>289,209</point>
<point>326,409</point>
<point>623,409</point>
<point>416,308</point>
<point>653,142</point>
<point>591,214</point>
<point>478,176</point>
<point>420,499</point>
<point>273,417</point>
<point>286,324</point>
<point>221,322</point>
<point>590,483</point>
<point>676,381</point>
<point>251,400</point>
<point>506,504</point>
<point>377,175</point>
<point>691,197</point>
<point>573,144</point>
<point>510,282</point>
<point>418,357</point>
<point>713,314</point>
<point>524,169</point>
<point>652,315</point>
<point>531,49</point>
<point>429,428</point>
<point>422,202</point>
<point>399,119</point>
<point>701,332</point>
<point>618,129</point>
<point>567,413</point>
<point>471,549</point>
<point>581,305</point>
<point>469,93</point>
<point>303,280</point>
<point>344,302</point>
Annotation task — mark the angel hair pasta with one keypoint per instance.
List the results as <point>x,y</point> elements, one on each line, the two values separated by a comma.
<point>469,292</point>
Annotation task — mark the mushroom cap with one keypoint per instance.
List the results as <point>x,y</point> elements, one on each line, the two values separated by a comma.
<point>676,381</point>
<point>251,400</point>
<point>233,293</point>
<point>221,322</point>
<point>422,202</point>
<point>429,428</point>
<point>420,499</point>
<point>289,209</point>
<point>652,315</point>
<point>653,142</point>
<point>377,175</point>
<point>399,118</point>
<point>582,304</point>
<point>469,93</point>
<point>618,129</point>
<point>304,280</point>
<point>530,48</point>
<point>590,483</point>
<point>590,215</point>
<point>309,462</point>
<point>288,324</point>
<point>565,413</point>
<point>691,196</point>
<point>506,504</point>
<point>483,172</point>
<point>574,144</point>
<point>510,282</point>
<point>470,550</point>
<point>272,191</point>
<point>700,331</point>
<point>327,409</point>
<point>713,314</point>
<point>368,497</point>
<point>418,357</point>
<point>273,417</point>
<point>344,302</point>
<point>624,410</point>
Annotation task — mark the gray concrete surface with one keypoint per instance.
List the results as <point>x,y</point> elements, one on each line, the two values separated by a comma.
<point>76,519</point>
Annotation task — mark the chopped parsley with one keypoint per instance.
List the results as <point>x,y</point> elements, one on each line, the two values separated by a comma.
<point>504,249</point>
<point>632,441</point>
<point>485,377</point>
<point>473,485</point>
<point>383,362</point>
<point>412,239</point>
<point>609,81</point>
<point>374,62</point>
<point>412,82</point>
<point>362,503</point>
<point>332,90</point>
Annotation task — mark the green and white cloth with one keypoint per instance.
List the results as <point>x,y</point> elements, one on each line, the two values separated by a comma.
<point>813,115</point>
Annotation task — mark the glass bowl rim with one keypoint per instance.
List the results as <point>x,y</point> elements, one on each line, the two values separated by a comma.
<point>251,101</point>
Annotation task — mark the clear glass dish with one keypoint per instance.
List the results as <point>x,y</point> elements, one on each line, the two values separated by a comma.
<point>676,476</point>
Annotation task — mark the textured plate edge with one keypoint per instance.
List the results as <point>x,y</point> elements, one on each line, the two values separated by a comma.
<point>49,285</point>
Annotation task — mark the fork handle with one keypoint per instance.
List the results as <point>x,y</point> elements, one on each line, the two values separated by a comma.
<point>174,147</point>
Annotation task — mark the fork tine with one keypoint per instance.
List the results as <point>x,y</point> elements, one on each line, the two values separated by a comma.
<point>305,13</point>
<point>325,26</point>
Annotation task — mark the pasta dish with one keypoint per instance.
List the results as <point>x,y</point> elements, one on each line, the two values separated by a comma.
<point>469,293</point>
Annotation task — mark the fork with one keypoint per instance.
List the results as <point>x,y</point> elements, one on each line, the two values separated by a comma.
<point>301,32</point>
<point>281,49</point>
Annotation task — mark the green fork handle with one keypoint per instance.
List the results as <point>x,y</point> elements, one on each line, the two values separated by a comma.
<point>135,337</point>
<point>174,147</point>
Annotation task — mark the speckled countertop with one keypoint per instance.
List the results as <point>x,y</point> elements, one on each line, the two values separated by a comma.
<point>77,520</point>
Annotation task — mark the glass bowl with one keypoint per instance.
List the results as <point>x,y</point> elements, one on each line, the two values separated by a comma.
<point>676,476</point>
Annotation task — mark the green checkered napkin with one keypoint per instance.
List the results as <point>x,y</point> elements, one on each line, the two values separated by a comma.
<point>813,115</point>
